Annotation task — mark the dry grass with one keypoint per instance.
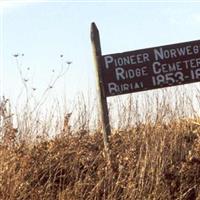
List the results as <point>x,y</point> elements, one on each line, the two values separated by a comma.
<point>150,160</point>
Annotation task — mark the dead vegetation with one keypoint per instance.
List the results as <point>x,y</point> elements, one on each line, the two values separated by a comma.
<point>150,160</point>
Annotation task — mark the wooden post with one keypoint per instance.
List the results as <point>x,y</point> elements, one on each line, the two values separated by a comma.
<point>95,39</point>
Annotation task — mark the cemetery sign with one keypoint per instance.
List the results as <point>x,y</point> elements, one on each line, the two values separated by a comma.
<point>151,68</point>
<point>141,70</point>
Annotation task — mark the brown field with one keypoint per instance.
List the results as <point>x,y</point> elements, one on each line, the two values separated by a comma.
<point>150,159</point>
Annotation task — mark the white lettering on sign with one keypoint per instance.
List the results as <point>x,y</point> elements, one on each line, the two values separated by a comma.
<point>151,68</point>
<point>114,88</point>
<point>193,63</point>
<point>168,78</point>
<point>122,74</point>
<point>195,74</point>
<point>161,54</point>
<point>172,73</point>
<point>165,68</point>
<point>108,60</point>
<point>126,60</point>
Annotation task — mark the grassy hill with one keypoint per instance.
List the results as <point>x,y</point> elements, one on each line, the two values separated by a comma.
<point>154,156</point>
<point>150,161</point>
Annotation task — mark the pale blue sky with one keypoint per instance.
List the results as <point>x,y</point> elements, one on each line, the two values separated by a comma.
<point>43,31</point>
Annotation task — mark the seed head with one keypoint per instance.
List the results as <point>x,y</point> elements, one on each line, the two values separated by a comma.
<point>16,55</point>
<point>69,62</point>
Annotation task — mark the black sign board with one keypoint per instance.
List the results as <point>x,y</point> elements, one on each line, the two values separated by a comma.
<point>151,68</point>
